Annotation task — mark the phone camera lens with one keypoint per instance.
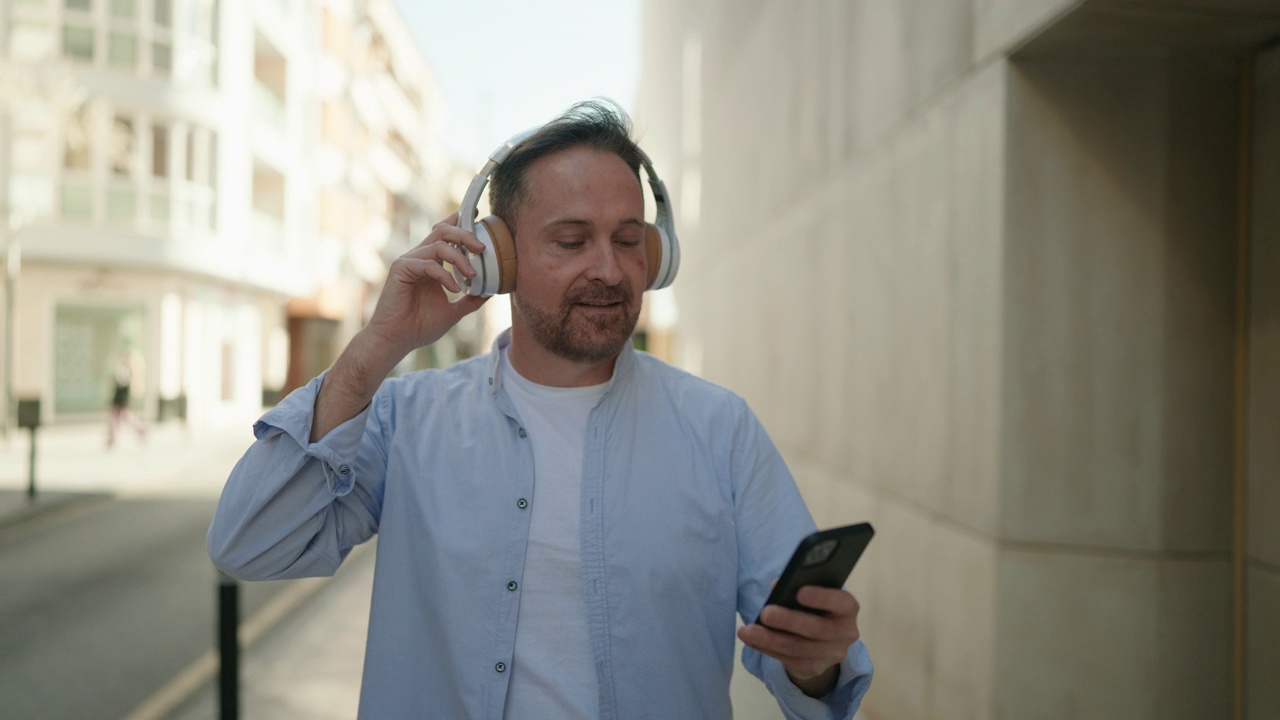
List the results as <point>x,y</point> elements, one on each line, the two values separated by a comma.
<point>819,553</point>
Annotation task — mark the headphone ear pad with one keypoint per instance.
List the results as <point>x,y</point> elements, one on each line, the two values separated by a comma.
<point>504,248</point>
<point>654,246</point>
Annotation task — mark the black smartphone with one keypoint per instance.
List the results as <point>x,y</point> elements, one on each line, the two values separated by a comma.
<point>824,558</point>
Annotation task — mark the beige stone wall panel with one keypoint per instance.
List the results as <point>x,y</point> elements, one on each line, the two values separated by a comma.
<point>1147,641</point>
<point>1117,405</point>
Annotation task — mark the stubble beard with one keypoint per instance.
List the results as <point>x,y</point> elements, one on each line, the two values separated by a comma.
<point>573,334</point>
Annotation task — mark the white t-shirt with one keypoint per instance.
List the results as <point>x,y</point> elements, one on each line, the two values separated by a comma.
<point>552,670</point>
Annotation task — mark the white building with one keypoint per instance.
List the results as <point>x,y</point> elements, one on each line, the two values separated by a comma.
<point>221,203</point>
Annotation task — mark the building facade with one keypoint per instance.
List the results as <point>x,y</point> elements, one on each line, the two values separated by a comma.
<point>1002,278</point>
<point>219,200</point>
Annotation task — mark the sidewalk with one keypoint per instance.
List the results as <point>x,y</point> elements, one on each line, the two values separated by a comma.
<point>172,460</point>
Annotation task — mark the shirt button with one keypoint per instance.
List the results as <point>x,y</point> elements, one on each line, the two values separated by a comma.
<point>344,469</point>
<point>500,667</point>
<point>522,503</point>
<point>512,585</point>
<point>523,433</point>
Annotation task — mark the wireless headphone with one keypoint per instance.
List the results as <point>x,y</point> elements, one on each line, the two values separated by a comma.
<point>496,267</point>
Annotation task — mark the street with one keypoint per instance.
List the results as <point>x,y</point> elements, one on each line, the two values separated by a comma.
<point>103,603</point>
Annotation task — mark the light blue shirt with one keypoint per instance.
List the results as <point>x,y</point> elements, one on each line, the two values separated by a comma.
<point>688,515</point>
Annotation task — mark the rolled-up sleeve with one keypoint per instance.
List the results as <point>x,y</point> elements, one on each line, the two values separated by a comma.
<point>772,519</point>
<point>841,702</point>
<point>294,508</point>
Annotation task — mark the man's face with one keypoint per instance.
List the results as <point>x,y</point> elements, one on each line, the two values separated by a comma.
<point>581,262</point>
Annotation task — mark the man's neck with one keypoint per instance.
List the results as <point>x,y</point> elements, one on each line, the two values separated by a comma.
<point>538,364</point>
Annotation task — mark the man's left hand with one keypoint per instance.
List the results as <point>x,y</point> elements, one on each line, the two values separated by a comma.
<point>810,647</point>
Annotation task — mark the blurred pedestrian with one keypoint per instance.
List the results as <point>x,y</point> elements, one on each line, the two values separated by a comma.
<point>120,412</point>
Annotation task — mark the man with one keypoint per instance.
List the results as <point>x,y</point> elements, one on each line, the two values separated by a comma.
<point>566,526</point>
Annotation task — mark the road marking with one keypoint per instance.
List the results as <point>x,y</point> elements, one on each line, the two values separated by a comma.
<point>165,701</point>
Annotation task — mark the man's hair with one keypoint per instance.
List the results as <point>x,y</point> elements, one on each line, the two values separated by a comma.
<point>596,124</point>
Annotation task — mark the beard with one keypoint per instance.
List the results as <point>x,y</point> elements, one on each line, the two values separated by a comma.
<point>580,334</point>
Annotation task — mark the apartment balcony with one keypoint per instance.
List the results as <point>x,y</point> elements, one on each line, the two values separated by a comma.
<point>267,232</point>
<point>269,107</point>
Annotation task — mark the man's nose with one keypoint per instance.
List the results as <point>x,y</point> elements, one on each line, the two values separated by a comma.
<point>604,263</point>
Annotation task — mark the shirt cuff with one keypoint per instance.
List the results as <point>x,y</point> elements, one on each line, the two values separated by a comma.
<point>842,702</point>
<point>336,451</point>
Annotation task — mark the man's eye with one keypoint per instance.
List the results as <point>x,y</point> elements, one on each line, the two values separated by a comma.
<point>628,240</point>
<point>570,243</point>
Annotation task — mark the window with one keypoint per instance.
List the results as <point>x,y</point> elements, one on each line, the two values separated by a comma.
<point>158,204</point>
<point>194,204</point>
<point>160,151</point>
<point>120,147</point>
<point>191,154</point>
<point>121,203</point>
<point>211,165</point>
<point>162,57</point>
<point>163,12</point>
<point>122,159</point>
<point>200,151</point>
<point>75,155</point>
<point>160,210</point>
<point>76,200</point>
<point>122,50</point>
<point>197,22</point>
<point>123,9</point>
<point>78,30</point>
<point>77,41</point>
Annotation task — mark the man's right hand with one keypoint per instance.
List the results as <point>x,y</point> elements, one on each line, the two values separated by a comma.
<point>412,311</point>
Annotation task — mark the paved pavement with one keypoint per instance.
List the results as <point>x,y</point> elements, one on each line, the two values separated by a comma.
<point>302,654</point>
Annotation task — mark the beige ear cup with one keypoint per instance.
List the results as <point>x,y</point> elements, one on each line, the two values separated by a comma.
<point>504,247</point>
<point>652,248</point>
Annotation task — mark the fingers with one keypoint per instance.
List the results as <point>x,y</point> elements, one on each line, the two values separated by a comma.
<point>448,231</point>
<point>840,624</point>
<point>799,654</point>
<point>416,267</point>
<point>447,246</point>
<point>833,601</point>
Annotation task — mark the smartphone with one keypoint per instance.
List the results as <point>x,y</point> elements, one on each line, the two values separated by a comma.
<point>824,558</point>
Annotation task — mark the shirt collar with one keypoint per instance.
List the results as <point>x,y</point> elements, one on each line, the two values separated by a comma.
<point>621,368</point>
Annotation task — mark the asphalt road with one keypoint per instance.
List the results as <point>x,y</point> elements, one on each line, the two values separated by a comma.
<point>104,603</point>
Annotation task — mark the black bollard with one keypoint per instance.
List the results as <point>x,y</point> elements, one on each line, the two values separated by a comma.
<point>31,468</point>
<point>228,647</point>
<point>29,418</point>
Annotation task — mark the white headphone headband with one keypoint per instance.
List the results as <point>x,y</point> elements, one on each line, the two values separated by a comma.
<point>664,220</point>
